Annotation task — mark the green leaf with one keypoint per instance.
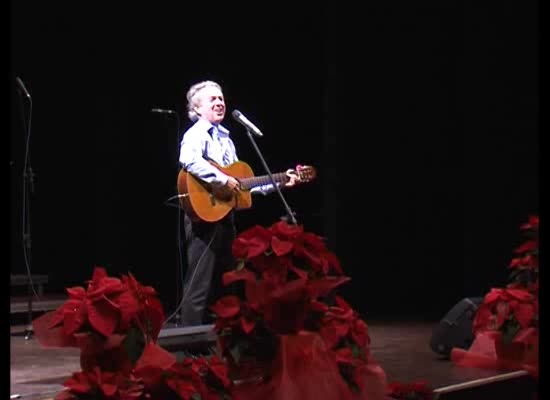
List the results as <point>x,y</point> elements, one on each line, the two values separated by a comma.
<point>236,353</point>
<point>240,265</point>
<point>509,330</point>
<point>515,273</point>
<point>196,396</point>
<point>355,351</point>
<point>134,343</point>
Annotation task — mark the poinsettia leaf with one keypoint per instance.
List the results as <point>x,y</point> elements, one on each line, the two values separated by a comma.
<point>74,316</point>
<point>355,351</point>
<point>134,343</point>
<point>524,314</point>
<point>515,272</point>
<point>108,389</point>
<point>155,356</point>
<point>103,315</point>
<point>227,306</point>
<point>240,265</point>
<point>236,353</point>
<point>281,247</point>
<point>129,306</point>
<point>509,330</point>
<point>238,275</point>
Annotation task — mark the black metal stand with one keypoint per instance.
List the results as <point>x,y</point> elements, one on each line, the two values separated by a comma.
<point>179,268</point>
<point>290,214</point>
<point>28,189</point>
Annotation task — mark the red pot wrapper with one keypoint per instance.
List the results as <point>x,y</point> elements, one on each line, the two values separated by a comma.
<point>488,351</point>
<point>305,369</point>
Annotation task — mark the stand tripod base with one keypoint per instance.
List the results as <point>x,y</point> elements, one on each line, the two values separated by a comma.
<point>27,333</point>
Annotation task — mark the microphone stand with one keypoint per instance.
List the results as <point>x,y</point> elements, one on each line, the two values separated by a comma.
<point>28,186</point>
<point>179,269</point>
<point>179,264</point>
<point>288,210</point>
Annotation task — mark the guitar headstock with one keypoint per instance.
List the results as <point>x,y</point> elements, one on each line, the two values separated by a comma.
<point>306,173</point>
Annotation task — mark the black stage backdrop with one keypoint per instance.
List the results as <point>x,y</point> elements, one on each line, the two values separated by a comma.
<point>420,117</point>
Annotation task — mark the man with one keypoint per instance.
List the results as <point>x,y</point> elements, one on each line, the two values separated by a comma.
<point>209,243</point>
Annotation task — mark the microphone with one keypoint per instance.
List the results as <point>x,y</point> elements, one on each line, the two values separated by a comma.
<point>239,117</point>
<point>162,111</point>
<point>22,87</point>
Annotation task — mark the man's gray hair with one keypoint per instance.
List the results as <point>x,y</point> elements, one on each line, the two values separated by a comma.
<point>193,98</point>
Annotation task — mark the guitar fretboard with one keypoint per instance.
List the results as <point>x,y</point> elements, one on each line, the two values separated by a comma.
<point>249,183</point>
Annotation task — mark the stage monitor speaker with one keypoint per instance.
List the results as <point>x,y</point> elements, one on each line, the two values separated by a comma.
<point>455,329</point>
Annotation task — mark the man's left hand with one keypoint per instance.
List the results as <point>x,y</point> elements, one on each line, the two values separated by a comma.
<point>293,178</point>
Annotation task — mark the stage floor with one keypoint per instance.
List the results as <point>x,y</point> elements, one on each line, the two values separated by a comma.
<point>401,347</point>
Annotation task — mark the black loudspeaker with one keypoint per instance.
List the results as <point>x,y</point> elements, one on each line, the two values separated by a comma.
<point>455,329</point>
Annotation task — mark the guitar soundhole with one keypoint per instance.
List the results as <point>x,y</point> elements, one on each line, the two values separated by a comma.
<point>221,194</point>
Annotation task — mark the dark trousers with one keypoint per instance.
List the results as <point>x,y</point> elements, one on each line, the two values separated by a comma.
<point>208,257</point>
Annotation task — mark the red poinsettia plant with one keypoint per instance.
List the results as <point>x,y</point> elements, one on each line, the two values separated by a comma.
<point>115,323</point>
<point>410,391</point>
<point>513,311</point>
<point>525,265</point>
<point>287,278</point>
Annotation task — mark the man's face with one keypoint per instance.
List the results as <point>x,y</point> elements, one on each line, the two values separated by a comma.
<point>211,104</point>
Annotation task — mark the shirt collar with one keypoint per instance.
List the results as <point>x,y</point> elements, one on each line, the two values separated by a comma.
<point>206,125</point>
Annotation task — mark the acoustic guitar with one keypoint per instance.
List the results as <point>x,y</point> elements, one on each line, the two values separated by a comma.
<point>206,202</point>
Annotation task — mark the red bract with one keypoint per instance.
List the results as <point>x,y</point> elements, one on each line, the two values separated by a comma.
<point>341,326</point>
<point>96,382</point>
<point>103,311</point>
<point>183,380</point>
<point>73,313</point>
<point>129,388</point>
<point>152,368</point>
<point>220,371</point>
<point>323,286</point>
<point>281,247</point>
<point>139,304</point>
<point>238,275</point>
<point>233,314</point>
<point>287,231</point>
<point>155,356</point>
<point>500,304</point>
<point>266,262</point>
<point>318,257</point>
<point>360,333</point>
<point>532,224</point>
<point>94,305</point>
<point>529,246</point>
<point>227,307</point>
<point>527,262</point>
<point>251,243</point>
<point>200,377</point>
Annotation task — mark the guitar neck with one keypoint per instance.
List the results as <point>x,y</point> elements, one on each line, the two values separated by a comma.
<point>249,183</point>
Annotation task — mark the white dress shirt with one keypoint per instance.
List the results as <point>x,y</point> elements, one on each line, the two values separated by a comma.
<point>204,141</point>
